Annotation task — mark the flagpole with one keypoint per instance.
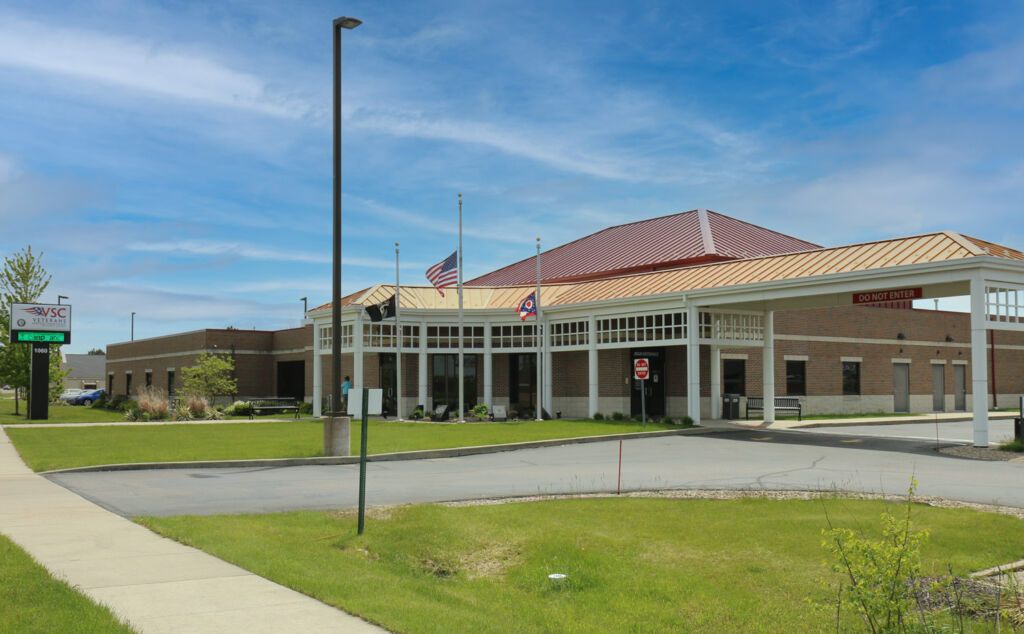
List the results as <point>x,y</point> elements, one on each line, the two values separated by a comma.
<point>540,341</point>
<point>462,413</point>
<point>398,335</point>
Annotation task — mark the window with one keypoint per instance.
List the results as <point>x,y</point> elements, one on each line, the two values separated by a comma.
<point>446,380</point>
<point>170,382</point>
<point>796,378</point>
<point>128,384</point>
<point>851,378</point>
<point>149,379</point>
<point>734,373</point>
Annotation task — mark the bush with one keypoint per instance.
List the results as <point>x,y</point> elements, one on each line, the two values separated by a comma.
<point>183,414</point>
<point>306,409</point>
<point>617,416</point>
<point>417,414</point>
<point>197,406</point>
<point>153,401</point>
<point>481,411</point>
<point>114,402</point>
<point>239,408</point>
<point>598,416</point>
<point>686,421</point>
<point>667,420</point>
<point>1015,445</point>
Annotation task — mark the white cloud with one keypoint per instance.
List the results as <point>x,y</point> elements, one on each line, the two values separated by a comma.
<point>132,63</point>
<point>237,249</point>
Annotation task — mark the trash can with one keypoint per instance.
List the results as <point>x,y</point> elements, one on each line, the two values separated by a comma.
<point>730,406</point>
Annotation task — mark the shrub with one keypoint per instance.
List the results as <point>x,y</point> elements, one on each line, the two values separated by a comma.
<point>1015,445</point>
<point>197,406</point>
<point>239,408</point>
<point>153,401</point>
<point>481,411</point>
<point>617,416</point>
<point>183,414</point>
<point>686,421</point>
<point>417,414</point>
<point>114,402</point>
<point>667,420</point>
<point>128,405</point>
<point>882,575</point>
<point>306,409</point>
<point>598,416</point>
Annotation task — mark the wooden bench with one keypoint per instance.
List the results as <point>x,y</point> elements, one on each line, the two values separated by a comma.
<point>785,403</point>
<point>272,405</point>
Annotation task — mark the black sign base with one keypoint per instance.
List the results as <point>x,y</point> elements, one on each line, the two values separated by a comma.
<point>38,406</point>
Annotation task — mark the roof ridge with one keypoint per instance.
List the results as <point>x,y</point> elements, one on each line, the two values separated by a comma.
<point>705,232</point>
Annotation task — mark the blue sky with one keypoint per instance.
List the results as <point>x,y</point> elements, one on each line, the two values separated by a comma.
<point>174,158</point>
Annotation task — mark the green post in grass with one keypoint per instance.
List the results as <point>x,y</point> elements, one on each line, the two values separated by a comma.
<point>362,463</point>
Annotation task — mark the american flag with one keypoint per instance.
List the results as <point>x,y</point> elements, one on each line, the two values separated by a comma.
<point>445,273</point>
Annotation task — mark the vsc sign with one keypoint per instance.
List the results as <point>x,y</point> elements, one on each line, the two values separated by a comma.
<point>40,323</point>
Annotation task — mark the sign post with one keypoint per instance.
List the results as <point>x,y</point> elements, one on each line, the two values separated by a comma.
<point>641,370</point>
<point>39,325</point>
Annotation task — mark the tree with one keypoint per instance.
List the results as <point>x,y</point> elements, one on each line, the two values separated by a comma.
<point>100,351</point>
<point>22,280</point>
<point>211,376</point>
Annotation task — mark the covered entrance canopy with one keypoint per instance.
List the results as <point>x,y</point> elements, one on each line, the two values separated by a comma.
<point>732,303</point>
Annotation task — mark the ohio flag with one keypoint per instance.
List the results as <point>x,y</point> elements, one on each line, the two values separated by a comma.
<point>528,306</point>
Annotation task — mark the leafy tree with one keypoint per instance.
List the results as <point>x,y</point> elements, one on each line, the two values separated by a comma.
<point>211,376</point>
<point>22,280</point>
<point>97,351</point>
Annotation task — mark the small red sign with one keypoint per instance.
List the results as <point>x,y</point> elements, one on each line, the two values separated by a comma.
<point>890,295</point>
<point>641,369</point>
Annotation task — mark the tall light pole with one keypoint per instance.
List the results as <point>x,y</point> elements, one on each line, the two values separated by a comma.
<point>339,24</point>
<point>60,297</point>
<point>133,325</point>
<point>305,307</point>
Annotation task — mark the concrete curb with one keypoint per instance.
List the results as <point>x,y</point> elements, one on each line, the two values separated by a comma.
<point>888,421</point>
<point>425,454</point>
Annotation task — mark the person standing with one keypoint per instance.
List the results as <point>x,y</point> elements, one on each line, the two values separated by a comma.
<point>345,387</point>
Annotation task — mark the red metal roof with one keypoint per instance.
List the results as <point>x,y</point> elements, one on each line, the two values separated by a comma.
<point>683,239</point>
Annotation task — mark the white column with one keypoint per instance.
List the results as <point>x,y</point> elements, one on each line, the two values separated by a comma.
<point>318,373</point>
<point>422,374</point>
<point>547,369</point>
<point>693,363</point>
<point>357,352</point>
<point>593,380</point>
<point>979,362</point>
<point>716,382</point>
<point>488,368</point>
<point>768,367</point>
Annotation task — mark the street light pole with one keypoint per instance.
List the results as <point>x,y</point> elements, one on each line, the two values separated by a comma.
<point>60,297</point>
<point>133,325</point>
<point>339,24</point>
<point>305,307</point>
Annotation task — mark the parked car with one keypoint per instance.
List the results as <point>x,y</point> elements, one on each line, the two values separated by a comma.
<point>88,398</point>
<point>68,395</point>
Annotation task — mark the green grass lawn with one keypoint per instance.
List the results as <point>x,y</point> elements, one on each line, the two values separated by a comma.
<point>33,601</point>
<point>56,414</point>
<point>632,565</point>
<point>63,447</point>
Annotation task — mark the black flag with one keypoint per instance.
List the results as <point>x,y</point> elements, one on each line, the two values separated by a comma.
<point>383,310</point>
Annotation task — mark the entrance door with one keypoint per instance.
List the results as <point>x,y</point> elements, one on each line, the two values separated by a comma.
<point>938,388</point>
<point>388,384</point>
<point>523,379</point>
<point>653,386</point>
<point>960,388</point>
<point>445,378</point>
<point>291,379</point>
<point>901,387</point>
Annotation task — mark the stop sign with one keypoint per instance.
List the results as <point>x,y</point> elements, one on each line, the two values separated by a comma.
<point>641,369</point>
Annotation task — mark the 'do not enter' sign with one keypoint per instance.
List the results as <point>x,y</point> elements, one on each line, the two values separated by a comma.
<point>641,368</point>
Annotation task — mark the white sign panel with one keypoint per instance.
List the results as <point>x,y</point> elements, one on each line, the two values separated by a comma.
<point>374,404</point>
<point>47,323</point>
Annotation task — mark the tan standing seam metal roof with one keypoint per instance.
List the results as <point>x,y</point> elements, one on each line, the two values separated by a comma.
<point>934,247</point>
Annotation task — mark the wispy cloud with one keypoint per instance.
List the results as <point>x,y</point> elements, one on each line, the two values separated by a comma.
<point>153,67</point>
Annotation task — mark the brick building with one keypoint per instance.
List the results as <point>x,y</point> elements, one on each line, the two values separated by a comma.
<point>835,324</point>
<point>267,363</point>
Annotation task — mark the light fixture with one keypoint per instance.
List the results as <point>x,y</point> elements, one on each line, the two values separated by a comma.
<point>901,336</point>
<point>949,338</point>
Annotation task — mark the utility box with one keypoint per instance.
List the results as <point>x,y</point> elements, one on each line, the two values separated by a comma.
<point>730,406</point>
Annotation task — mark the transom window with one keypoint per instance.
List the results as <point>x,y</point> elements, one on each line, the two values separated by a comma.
<point>569,333</point>
<point>448,337</point>
<point>658,327</point>
<point>514,336</point>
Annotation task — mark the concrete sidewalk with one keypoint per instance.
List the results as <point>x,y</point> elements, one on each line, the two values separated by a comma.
<point>152,583</point>
<point>943,417</point>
